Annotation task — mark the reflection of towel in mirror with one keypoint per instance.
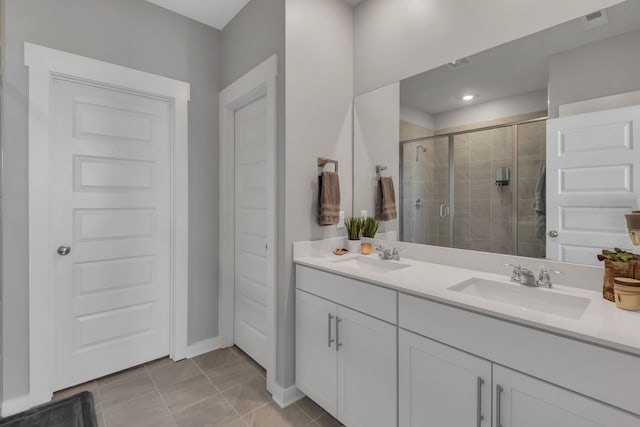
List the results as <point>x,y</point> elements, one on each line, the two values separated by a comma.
<point>539,203</point>
<point>385,200</point>
<point>328,198</point>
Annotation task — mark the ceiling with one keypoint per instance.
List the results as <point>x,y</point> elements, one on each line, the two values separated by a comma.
<point>215,13</point>
<point>515,68</point>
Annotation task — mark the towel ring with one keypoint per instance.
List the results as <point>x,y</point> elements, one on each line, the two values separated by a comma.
<point>323,161</point>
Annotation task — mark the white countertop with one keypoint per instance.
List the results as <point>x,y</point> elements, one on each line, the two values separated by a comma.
<point>602,322</point>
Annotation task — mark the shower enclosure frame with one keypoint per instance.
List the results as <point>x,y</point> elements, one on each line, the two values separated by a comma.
<point>451,136</point>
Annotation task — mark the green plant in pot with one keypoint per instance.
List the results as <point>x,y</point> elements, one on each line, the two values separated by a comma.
<point>354,233</point>
<point>618,263</point>
<point>369,230</point>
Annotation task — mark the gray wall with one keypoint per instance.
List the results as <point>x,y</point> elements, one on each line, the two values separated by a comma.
<point>255,34</point>
<point>395,39</point>
<point>135,34</point>
<point>319,95</point>
<point>609,67</point>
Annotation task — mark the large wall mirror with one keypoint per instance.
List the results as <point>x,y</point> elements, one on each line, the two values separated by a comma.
<point>466,143</point>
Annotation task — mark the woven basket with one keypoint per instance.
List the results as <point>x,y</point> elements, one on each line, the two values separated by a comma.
<point>613,269</point>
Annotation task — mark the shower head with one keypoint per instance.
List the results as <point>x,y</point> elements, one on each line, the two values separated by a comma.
<point>420,148</point>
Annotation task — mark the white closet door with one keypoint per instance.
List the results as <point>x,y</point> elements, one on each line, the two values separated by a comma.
<point>251,230</point>
<point>593,179</point>
<point>111,181</point>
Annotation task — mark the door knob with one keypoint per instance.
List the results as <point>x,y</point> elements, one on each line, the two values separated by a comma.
<point>64,250</point>
<point>553,233</point>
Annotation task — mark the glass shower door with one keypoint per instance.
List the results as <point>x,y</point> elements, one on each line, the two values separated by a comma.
<point>483,215</point>
<point>425,191</point>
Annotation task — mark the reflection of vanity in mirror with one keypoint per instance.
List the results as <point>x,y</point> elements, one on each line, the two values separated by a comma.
<point>524,149</point>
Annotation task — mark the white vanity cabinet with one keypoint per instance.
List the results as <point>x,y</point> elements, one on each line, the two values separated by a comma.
<point>441,386</point>
<point>523,401</point>
<point>446,387</point>
<point>345,359</point>
<point>376,357</point>
<point>469,344</point>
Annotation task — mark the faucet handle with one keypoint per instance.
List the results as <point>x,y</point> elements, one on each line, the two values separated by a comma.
<point>516,273</point>
<point>544,276</point>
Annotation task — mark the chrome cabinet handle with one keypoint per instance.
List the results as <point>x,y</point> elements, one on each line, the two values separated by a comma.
<point>553,233</point>
<point>64,250</point>
<point>338,343</point>
<point>480,417</point>
<point>330,340</point>
<point>498,405</point>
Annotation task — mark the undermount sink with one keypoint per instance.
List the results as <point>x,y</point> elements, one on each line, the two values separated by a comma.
<point>370,265</point>
<point>526,298</point>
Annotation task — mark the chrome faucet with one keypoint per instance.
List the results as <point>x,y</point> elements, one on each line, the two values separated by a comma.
<point>544,276</point>
<point>387,253</point>
<point>522,275</point>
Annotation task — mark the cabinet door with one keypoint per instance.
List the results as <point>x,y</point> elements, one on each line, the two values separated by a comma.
<point>441,386</point>
<point>523,401</point>
<point>316,359</point>
<point>367,370</point>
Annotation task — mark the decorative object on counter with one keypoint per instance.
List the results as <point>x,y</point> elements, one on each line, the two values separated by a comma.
<point>633,225</point>
<point>369,230</point>
<point>385,200</point>
<point>627,293</point>
<point>354,233</point>
<point>328,193</point>
<point>340,251</point>
<point>617,263</point>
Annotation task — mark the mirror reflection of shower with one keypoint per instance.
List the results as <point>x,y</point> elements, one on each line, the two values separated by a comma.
<point>420,148</point>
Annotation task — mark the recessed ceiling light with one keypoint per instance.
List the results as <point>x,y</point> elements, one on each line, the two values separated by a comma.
<point>467,97</point>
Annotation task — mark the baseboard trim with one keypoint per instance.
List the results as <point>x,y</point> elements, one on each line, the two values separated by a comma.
<point>201,347</point>
<point>17,404</point>
<point>284,396</point>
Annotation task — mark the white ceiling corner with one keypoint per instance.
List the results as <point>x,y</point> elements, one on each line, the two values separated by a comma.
<point>215,13</point>
<point>354,3</point>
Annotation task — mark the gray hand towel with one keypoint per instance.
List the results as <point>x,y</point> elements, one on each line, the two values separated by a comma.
<point>539,203</point>
<point>385,200</point>
<point>328,198</point>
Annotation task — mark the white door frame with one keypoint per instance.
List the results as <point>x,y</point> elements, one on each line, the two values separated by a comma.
<point>45,64</point>
<point>259,82</point>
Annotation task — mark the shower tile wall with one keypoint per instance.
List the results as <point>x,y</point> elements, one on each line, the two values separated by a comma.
<point>418,183</point>
<point>483,212</point>
<point>531,154</point>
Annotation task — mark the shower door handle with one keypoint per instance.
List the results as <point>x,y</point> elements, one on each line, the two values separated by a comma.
<point>444,211</point>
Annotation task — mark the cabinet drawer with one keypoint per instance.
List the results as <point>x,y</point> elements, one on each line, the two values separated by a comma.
<point>603,374</point>
<point>373,300</point>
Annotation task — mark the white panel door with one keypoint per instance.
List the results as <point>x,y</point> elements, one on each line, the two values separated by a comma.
<point>367,370</point>
<point>522,401</point>
<point>251,290</point>
<point>441,386</point>
<point>111,184</point>
<point>316,358</point>
<point>592,181</point>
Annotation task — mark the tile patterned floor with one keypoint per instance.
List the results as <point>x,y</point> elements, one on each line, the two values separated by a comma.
<point>224,388</point>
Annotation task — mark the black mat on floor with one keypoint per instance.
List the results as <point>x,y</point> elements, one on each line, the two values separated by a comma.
<point>74,411</point>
